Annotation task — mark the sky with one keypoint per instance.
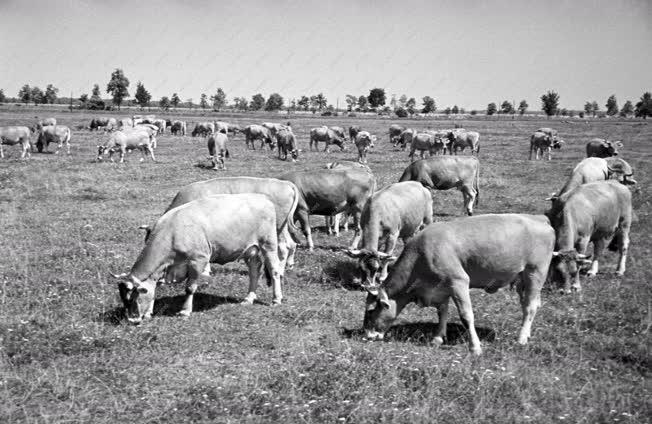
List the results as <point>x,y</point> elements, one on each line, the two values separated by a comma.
<point>465,53</point>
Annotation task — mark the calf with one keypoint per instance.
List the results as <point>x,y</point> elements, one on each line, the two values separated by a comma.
<point>398,210</point>
<point>446,259</point>
<point>221,229</point>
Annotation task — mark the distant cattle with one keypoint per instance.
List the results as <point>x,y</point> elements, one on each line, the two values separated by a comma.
<point>447,259</point>
<point>423,142</point>
<point>327,136</point>
<point>353,131</point>
<point>230,226</point>
<point>59,134</point>
<point>161,124</point>
<point>602,148</point>
<point>203,129</point>
<point>287,142</point>
<point>103,123</point>
<point>218,150</point>
<point>256,132</point>
<point>328,192</point>
<point>274,128</point>
<point>463,139</point>
<point>405,138</point>
<point>363,142</point>
<point>46,122</point>
<point>227,128</point>
<point>395,131</point>
<point>446,172</point>
<point>541,142</point>
<point>596,212</point>
<point>125,123</point>
<point>123,141</point>
<point>178,128</point>
<point>16,135</point>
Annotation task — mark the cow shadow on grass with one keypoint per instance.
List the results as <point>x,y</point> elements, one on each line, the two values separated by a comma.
<point>343,273</point>
<point>423,333</point>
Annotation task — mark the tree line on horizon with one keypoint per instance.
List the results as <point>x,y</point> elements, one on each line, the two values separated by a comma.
<point>375,101</point>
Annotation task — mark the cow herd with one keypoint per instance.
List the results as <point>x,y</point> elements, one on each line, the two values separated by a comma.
<point>222,220</point>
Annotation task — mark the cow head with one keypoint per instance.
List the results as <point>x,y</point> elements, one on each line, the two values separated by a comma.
<point>101,150</point>
<point>565,267</point>
<point>557,142</point>
<point>610,148</point>
<point>137,297</point>
<point>372,265</point>
<point>380,312</point>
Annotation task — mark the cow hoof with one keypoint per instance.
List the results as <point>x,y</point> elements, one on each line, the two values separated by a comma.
<point>438,341</point>
<point>276,302</point>
<point>476,351</point>
<point>591,274</point>
<point>184,313</point>
<point>620,273</point>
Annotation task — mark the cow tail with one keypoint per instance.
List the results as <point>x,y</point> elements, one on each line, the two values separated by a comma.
<point>68,136</point>
<point>294,231</point>
<point>476,185</point>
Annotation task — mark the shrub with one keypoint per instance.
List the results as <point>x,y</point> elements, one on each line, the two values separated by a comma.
<point>401,112</point>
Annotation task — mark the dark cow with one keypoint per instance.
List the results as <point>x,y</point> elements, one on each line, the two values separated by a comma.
<point>541,142</point>
<point>203,129</point>
<point>178,128</point>
<point>364,141</point>
<point>405,138</point>
<point>447,259</point>
<point>328,192</point>
<point>287,142</point>
<point>217,150</point>
<point>59,134</point>
<point>395,131</point>
<point>446,172</point>
<point>353,131</point>
<point>326,135</point>
<point>602,148</point>
<point>596,212</point>
<point>258,132</point>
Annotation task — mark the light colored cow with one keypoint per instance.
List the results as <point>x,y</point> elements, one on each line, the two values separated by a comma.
<point>327,136</point>
<point>594,212</point>
<point>447,259</point>
<point>601,148</point>
<point>46,122</point>
<point>16,135</point>
<point>423,142</point>
<point>59,134</point>
<point>287,142</point>
<point>161,124</point>
<point>275,128</point>
<point>203,129</point>
<point>463,139</point>
<point>363,141</point>
<point>339,131</point>
<point>217,150</point>
<point>258,132</point>
<point>221,229</point>
<point>122,141</point>
<point>596,169</point>
<point>399,210</point>
<point>125,123</point>
<point>446,172</point>
<point>541,142</point>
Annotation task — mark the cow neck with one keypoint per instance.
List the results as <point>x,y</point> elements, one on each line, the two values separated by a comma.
<point>400,277</point>
<point>371,232</point>
<point>566,231</point>
<point>154,255</point>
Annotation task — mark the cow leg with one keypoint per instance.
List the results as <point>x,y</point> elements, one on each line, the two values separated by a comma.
<point>273,266</point>
<point>291,246</point>
<point>623,247</point>
<point>462,299</point>
<point>304,221</point>
<point>358,231</point>
<point>122,155</point>
<point>195,269</point>
<point>2,153</point>
<point>529,292</point>
<point>549,152</point>
<point>327,149</point>
<point>336,223</point>
<point>151,153</point>
<point>440,331</point>
<point>598,248</point>
<point>254,262</point>
<point>580,247</point>
<point>468,194</point>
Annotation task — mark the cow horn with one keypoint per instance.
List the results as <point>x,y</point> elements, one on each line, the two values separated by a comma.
<point>583,256</point>
<point>382,297</point>
<point>372,289</point>
<point>144,227</point>
<point>123,275</point>
<point>353,253</point>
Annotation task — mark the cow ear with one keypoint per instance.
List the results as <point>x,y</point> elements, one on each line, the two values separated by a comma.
<point>353,253</point>
<point>141,289</point>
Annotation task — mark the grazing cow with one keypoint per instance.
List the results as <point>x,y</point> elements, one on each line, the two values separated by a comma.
<point>59,134</point>
<point>446,172</point>
<point>463,139</point>
<point>405,138</point>
<point>328,136</point>
<point>395,131</point>
<point>16,135</point>
<point>274,128</point>
<point>340,132</point>
<point>353,131</point>
<point>217,150</point>
<point>602,148</point>
<point>168,123</point>
<point>178,128</point>
<point>328,192</point>
<point>203,129</point>
<point>423,142</point>
<point>222,127</point>
<point>398,210</point>
<point>46,122</point>
<point>287,142</point>
<point>596,169</point>
<point>447,259</point>
<point>221,229</point>
<point>258,132</point>
<point>594,212</point>
<point>121,141</point>
<point>333,222</point>
<point>284,196</point>
<point>541,141</point>
<point>150,129</point>
<point>161,124</point>
<point>363,141</point>
<point>98,123</point>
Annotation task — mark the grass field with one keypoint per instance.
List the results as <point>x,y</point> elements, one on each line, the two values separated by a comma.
<point>65,355</point>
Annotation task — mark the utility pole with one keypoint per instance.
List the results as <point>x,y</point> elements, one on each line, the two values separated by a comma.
<point>71,102</point>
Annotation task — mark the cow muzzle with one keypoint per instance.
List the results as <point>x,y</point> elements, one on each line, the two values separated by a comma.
<point>373,335</point>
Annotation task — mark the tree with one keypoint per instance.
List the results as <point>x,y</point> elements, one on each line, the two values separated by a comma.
<point>257,102</point>
<point>564,112</point>
<point>612,105</point>
<point>320,101</point>
<point>402,101</point>
<point>644,106</point>
<point>118,87</point>
<point>164,103</point>
<point>491,109</point>
<point>37,95</point>
<point>506,107</point>
<point>410,105</point>
<point>351,101</point>
<point>522,107</point>
<point>627,109</point>
<point>393,102</point>
<point>455,110</point>
<point>376,97</point>
<point>274,102</point>
<point>50,95</point>
<point>3,98</point>
<point>96,102</point>
<point>219,99</point>
<point>84,100</point>
<point>240,103</point>
<point>203,101</point>
<point>363,103</point>
<point>175,100</point>
<point>401,112</point>
<point>142,95</point>
<point>588,108</point>
<point>447,111</point>
<point>595,107</point>
<point>429,105</point>
<point>550,103</point>
<point>25,94</point>
<point>304,103</point>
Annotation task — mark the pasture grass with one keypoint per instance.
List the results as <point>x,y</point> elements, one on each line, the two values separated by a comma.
<point>67,356</point>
